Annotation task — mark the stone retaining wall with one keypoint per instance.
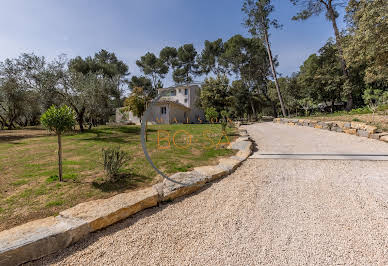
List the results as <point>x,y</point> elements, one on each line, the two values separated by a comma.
<point>42,237</point>
<point>353,128</point>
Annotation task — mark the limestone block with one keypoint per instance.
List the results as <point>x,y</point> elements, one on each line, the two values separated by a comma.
<point>104,212</point>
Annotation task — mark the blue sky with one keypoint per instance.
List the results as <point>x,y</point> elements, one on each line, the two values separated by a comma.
<point>131,28</point>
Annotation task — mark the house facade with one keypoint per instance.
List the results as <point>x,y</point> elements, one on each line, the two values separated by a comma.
<point>177,105</point>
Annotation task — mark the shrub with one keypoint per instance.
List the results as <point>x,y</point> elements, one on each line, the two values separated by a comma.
<point>113,160</point>
<point>224,119</point>
<point>211,114</point>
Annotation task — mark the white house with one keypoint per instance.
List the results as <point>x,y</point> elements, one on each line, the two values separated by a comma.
<point>179,105</point>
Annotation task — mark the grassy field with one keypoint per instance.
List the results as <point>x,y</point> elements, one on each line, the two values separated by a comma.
<point>29,187</point>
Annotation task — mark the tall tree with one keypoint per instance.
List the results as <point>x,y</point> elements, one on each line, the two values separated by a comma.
<point>208,59</point>
<point>93,86</point>
<point>316,7</point>
<point>367,41</point>
<point>144,83</point>
<point>247,58</point>
<point>90,96</point>
<point>321,76</point>
<point>186,67</point>
<point>153,67</point>
<point>259,23</point>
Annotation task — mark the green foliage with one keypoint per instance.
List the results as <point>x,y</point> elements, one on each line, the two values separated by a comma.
<point>258,21</point>
<point>145,83</point>
<point>307,104</point>
<point>215,93</point>
<point>374,98</point>
<point>224,119</point>
<point>208,59</point>
<point>113,160</point>
<point>367,41</point>
<point>153,67</point>
<point>321,75</point>
<point>258,18</point>
<point>58,120</point>
<point>185,64</point>
<point>211,114</point>
<point>102,62</point>
<point>136,102</point>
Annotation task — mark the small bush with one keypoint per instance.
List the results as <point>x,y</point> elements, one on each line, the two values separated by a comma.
<point>113,160</point>
<point>356,120</point>
<point>211,114</point>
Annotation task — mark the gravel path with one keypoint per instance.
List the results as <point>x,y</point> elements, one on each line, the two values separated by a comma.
<point>267,212</point>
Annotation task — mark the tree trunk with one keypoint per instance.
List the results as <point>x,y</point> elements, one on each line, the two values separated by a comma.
<point>60,158</point>
<point>253,108</point>
<point>80,119</point>
<point>349,104</point>
<point>274,73</point>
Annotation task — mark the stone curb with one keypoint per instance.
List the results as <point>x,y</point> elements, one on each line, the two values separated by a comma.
<point>42,237</point>
<point>352,128</point>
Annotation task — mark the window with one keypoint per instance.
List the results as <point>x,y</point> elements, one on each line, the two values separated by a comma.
<point>185,100</point>
<point>173,93</point>
<point>163,110</point>
<point>186,92</point>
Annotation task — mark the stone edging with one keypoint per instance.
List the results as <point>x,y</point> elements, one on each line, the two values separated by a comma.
<point>42,237</point>
<point>353,128</point>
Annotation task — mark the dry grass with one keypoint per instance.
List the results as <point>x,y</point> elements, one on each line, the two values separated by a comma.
<point>29,188</point>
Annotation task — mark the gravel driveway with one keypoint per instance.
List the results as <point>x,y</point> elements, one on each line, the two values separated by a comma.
<point>267,212</point>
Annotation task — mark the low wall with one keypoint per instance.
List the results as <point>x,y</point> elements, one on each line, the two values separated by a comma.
<point>352,128</point>
<point>42,237</point>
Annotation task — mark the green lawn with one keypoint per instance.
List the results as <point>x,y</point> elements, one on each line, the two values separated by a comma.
<point>29,187</point>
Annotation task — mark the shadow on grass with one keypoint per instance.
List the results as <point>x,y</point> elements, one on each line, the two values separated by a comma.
<point>9,137</point>
<point>107,135</point>
<point>124,181</point>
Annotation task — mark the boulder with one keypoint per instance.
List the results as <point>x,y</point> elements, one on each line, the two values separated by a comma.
<point>370,129</point>
<point>243,154</point>
<point>104,212</point>
<point>378,135</point>
<point>212,172</point>
<point>240,145</point>
<point>347,125</point>
<point>351,131</point>
<point>312,123</point>
<point>229,164</point>
<point>339,124</point>
<point>190,182</point>
<point>384,138</point>
<point>358,125</point>
<point>363,133</point>
<point>39,238</point>
<point>327,125</point>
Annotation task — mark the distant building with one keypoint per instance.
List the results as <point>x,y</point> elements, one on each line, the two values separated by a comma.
<point>178,106</point>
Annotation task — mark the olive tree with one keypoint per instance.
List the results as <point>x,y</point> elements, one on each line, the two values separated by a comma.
<point>58,120</point>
